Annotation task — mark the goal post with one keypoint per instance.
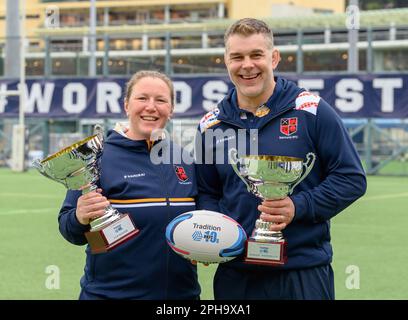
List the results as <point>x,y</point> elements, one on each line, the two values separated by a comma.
<point>18,148</point>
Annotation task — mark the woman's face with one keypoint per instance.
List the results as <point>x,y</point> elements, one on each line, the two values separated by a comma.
<point>148,108</point>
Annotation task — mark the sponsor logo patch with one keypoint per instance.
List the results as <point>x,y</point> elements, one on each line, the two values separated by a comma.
<point>135,175</point>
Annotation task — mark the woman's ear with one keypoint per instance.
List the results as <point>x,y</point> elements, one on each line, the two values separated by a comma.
<point>171,113</point>
<point>126,109</point>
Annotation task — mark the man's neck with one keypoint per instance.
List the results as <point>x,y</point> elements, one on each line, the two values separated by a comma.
<point>251,104</point>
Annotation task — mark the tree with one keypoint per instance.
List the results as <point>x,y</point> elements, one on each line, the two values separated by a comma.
<point>379,4</point>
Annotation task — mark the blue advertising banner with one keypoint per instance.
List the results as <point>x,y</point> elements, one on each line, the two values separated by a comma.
<point>352,96</point>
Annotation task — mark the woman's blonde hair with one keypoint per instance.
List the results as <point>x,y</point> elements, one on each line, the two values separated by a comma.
<point>148,74</point>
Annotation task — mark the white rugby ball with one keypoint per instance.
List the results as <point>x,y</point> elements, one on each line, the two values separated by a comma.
<point>206,236</point>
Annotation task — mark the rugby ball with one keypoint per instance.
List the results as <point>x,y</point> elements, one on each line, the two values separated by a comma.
<point>206,236</point>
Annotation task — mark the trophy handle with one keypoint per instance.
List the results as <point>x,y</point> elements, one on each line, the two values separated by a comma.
<point>98,129</point>
<point>233,159</point>
<point>37,164</point>
<point>310,158</point>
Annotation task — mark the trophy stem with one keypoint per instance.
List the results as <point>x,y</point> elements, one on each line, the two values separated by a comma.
<point>262,232</point>
<point>89,189</point>
<point>265,247</point>
<point>111,214</point>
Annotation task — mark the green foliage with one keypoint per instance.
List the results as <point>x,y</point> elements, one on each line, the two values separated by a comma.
<point>377,4</point>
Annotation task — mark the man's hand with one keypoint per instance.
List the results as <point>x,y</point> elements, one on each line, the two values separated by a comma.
<point>280,212</point>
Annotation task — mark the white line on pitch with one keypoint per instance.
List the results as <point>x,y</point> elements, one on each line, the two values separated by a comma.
<point>385,196</point>
<point>29,211</point>
<point>30,195</point>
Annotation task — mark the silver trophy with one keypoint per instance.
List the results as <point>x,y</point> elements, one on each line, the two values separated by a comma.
<point>77,168</point>
<point>269,178</point>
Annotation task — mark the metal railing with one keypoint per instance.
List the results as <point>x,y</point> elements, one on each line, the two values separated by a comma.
<point>380,50</point>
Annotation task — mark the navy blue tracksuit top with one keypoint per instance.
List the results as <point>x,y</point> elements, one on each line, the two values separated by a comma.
<point>293,122</point>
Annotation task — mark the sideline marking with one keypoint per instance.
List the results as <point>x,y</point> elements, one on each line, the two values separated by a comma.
<point>30,195</point>
<point>29,211</point>
<point>385,196</point>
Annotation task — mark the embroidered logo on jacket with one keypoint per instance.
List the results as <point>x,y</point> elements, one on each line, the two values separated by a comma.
<point>262,111</point>
<point>288,126</point>
<point>134,175</point>
<point>181,173</point>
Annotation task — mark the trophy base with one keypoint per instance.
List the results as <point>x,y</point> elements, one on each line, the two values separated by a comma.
<point>111,235</point>
<point>271,252</point>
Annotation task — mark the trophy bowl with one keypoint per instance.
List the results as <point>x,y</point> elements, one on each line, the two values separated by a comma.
<point>270,177</point>
<point>73,166</point>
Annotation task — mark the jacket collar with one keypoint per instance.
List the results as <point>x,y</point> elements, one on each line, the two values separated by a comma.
<point>283,98</point>
<point>119,138</point>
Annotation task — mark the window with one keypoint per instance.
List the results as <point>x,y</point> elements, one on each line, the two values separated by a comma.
<point>325,61</point>
<point>287,62</point>
<point>391,60</point>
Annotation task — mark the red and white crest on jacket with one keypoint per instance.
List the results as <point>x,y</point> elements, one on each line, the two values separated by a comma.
<point>288,126</point>
<point>307,101</point>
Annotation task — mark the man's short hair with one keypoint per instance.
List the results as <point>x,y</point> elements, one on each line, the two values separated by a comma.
<point>247,27</point>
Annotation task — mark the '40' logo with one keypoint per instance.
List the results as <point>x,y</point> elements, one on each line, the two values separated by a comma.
<point>209,236</point>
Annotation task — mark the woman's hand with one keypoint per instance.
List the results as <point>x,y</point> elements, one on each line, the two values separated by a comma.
<point>91,206</point>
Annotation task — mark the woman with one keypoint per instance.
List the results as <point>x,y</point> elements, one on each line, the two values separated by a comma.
<point>143,267</point>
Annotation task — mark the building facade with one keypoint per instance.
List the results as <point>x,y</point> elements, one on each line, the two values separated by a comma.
<point>186,36</point>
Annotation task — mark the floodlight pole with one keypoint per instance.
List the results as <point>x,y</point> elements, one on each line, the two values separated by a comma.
<point>92,39</point>
<point>353,27</point>
<point>19,132</point>
<point>167,59</point>
<point>22,65</point>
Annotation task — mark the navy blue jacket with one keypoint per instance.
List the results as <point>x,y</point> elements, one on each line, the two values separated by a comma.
<point>143,267</point>
<point>293,122</point>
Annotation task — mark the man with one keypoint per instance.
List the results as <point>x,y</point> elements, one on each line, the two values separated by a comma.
<point>260,101</point>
